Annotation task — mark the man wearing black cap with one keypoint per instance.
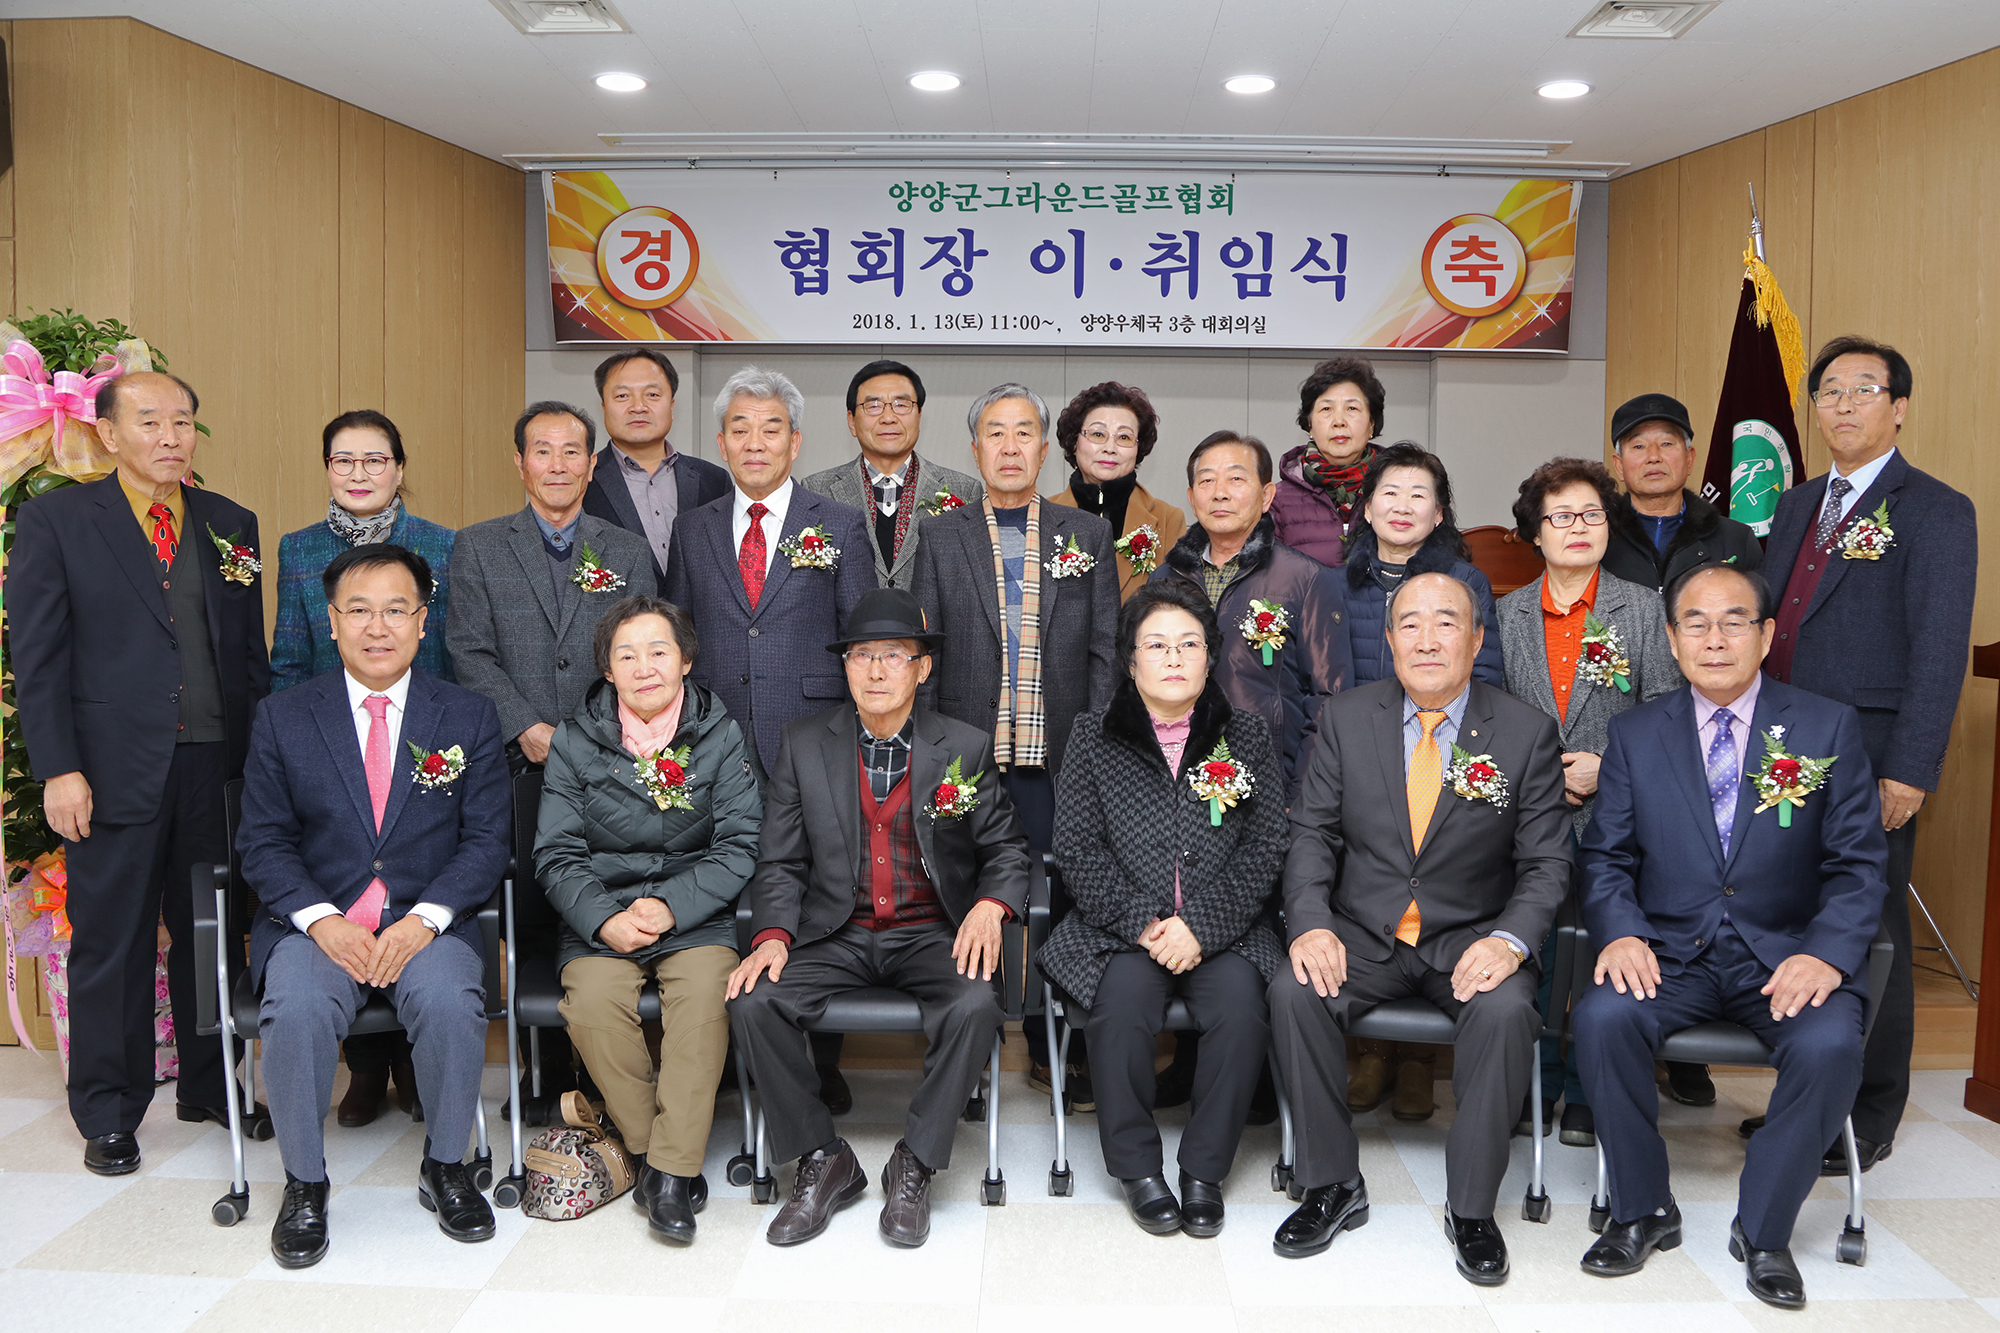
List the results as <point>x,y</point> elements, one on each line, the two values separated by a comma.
<point>891,482</point>
<point>890,857</point>
<point>1663,530</point>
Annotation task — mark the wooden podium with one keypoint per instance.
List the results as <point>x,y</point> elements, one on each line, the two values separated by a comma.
<point>1982,1090</point>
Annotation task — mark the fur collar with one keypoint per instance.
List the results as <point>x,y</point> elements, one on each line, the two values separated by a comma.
<point>1185,557</point>
<point>1436,556</point>
<point>1127,722</point>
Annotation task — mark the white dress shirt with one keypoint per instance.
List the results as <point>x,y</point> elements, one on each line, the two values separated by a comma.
<point>1861,479</point>
<point>778,502</point>
<point>357,702</point>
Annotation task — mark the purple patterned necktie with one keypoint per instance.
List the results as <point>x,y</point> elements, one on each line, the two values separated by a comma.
<point>1829,517</point>
<point>1723,777</point>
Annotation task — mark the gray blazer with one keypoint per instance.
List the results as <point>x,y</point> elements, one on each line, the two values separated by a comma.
<point>954,585</point>
<point>1636,613</point>
<point>512,637</point>
<point>846,484</point>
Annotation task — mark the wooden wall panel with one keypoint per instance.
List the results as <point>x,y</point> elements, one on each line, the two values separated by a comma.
<point>1714,231</point>
<point>493,324</point>
<point>361,240</point>
<point>1786,202</point>
<point>1643,319</point>
<point>70,104</point>
<point>423,204</point>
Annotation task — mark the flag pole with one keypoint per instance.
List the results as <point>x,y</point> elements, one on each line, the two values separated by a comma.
<point>1756,223</point>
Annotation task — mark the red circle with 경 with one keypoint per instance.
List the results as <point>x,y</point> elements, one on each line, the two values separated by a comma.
<point>1475,266</point>
<point>647,257</point>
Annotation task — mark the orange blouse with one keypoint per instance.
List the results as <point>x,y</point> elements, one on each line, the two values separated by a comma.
<point>1562,639</point>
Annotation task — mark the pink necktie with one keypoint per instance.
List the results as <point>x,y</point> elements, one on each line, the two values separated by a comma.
<point>367,909</point>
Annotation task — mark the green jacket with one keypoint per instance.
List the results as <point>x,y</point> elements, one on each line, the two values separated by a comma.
<point>602,844</point>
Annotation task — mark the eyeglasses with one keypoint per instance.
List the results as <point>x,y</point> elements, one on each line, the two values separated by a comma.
<point>1186,648</point>
<point>874,407</point>
<point>1100,437</point>
<point>1567,518</point>
<point>895,659</point>
<point>1699,627</point>
<point>393,617</point>
<point>374,465</point>
<point>1860,395</point>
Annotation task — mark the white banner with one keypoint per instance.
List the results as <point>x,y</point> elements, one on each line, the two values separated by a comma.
<point>1135,258</point>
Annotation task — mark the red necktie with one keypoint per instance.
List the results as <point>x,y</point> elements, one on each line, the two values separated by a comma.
<point>367,909</point>
<point>750,559</point>
<point>164,544</point>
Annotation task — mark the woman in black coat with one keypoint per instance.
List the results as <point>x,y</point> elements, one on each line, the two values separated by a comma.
<point>1170,829</point>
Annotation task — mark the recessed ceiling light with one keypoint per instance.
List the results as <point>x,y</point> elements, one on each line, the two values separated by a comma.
<point>620,83</point>
<point>1250,83</point>
<point>1563,88</point>
<point>934,81</point>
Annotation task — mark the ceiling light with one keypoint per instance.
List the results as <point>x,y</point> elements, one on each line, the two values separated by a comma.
<point>620,83</point>
<point>934,81</point>
<point>1563,88</point>
<point>1250,83</point>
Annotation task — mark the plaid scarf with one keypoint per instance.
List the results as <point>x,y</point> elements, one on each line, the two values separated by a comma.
<point>1342,483</point>
<point>1020,740</point>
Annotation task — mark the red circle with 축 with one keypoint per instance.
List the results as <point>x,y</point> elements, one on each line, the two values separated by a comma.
<point>1474,265</point>
<point>647,257</point>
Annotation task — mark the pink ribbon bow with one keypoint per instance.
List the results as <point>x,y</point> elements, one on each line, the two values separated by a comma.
<point>31,399</point>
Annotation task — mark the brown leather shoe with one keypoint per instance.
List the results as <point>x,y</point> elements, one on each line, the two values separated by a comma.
<point>1368,1080</point>
<point>407,1100</point>
<point>822,1185</point>
<point>365,1092</point>
<point>1413,1099</point>
<point>906,1217</point>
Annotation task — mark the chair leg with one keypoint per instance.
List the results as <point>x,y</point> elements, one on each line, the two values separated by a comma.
<point>234,1206</point>
<point>743,1166</point>
<point>1061,1182</point>
<point>763,1187</point>
<point>1281,1170</point>
<point>1535,1208</point>
<point>535,1063</point>
<point>1600,1202</point>
<point>1852,1247</point>
<point>993,1189</point>
<point>514,1185</point>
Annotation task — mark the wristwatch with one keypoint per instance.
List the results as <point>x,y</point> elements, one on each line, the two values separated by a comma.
<point>1520,954</point>
<point>435,932</point>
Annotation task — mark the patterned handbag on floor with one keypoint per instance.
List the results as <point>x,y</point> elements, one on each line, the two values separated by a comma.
<point>575,1168</point>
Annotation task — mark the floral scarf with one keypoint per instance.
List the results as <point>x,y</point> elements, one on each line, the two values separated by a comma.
<point>1343,483</point>
<point>361,531</point>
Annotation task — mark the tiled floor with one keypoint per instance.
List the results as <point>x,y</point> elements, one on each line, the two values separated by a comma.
<point>140,1253</point>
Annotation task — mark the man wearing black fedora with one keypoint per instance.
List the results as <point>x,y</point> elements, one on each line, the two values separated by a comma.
<point>890,856</point>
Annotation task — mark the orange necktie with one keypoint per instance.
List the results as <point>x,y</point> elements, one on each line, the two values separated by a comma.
<point>1421,786</point>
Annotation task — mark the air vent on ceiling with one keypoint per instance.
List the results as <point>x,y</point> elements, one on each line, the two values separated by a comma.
<point>1661,20</point>
<point>541,18</point>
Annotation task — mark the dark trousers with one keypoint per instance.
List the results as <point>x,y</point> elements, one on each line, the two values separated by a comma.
<point>960,1015</point>
<point>123,880</point>
<point>1885,1068</point>
<point>1225,998</point>
<point>375,1052</point>
<point>1492,1044</point>
<point>1818,1058</point>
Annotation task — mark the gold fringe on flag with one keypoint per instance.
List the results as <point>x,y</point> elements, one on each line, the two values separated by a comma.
<point>1772,313</point>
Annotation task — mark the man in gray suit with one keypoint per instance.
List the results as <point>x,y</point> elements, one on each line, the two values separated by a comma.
<point>527,588</point>
<point>1027,595</point>
<point>890,482</point>
<point>1430,850</point>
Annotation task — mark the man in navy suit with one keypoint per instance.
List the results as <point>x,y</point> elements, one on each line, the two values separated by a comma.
<point>641,482</point>
<point>770,571</point>
<point>1708,905</point>
<point>376,820</point>
<point>1877,615</point>
<point>138,656</point>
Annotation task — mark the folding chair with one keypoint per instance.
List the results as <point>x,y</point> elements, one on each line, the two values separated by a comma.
<point>222,901</point>
<point>1720,1043</point>
<point>535,983</point>
<point>880,1009</point>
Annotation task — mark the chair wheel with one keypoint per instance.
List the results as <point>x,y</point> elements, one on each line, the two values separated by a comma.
<point>1852,1247</point>
<point>1281,1177</point>
<point>1535,1209</point>
<point>764,1190</point>
<point>260,1129</point>
<point>1061,1184</point>
<point>993,1193</point>
<point>1600,1216</point>
<point>230,1209</point>
<point>742,1169</point>
<point>975,1110</point>
<point>508,1191</point>
<point>1293,1190</point>
<point>482,1174</point>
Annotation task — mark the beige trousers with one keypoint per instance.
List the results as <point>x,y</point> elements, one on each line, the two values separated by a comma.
<point>664,1120</point>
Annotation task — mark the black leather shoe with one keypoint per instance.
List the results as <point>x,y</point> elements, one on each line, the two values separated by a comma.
<point>834,1094</point>
<point>1201,1207</point>
<point>1153,1205</point>
<point>674,1201</point>
<point>1324,1213</point>
<point>1750,1125</point>
<point>363,1100</point>
<point>1835,1161</point>
<point>111,1154</point>
<point>1689,1084</point>
<point>1579,1126</point>
<point>256,1120</point>
<point>407,1099</point>
<point>1482,1251</point>
<point>1623,1247</point>
<point>822,1186</point>
<point>298,1237</point>
<point>445,1188</point>
<point>1770,1274</point>
<point>1175,1084</point>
